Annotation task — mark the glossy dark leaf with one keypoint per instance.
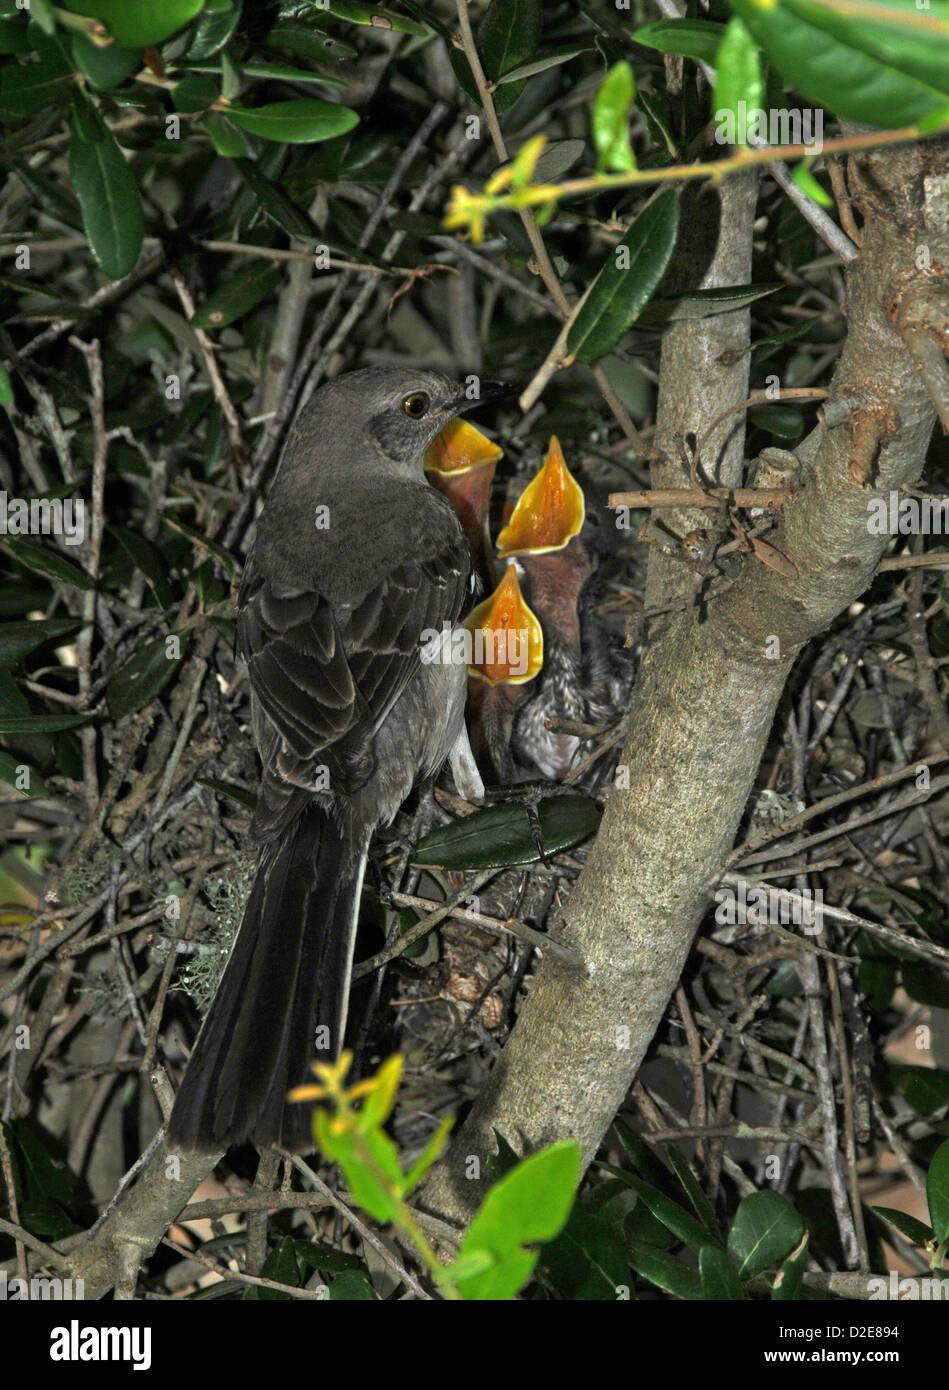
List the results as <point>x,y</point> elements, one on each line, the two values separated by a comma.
<point>104,66</point>
<point>587,1260</point>
<point>765,1231</point>
<point>147,558</point>
<point>937,1192</point>
<point>665,1271</point>
<point>137,23</point>
<point>21,776</point>
<point>40,723</point>
<point>211,32</point>
<point>30,87</point>
<point>702,304</point>
<point>144,676</point>
<point>628,280</point>
<point>309,42</point>
<point>274,202</point>
<point>352,1286</point>
<point>688,38</point>
<point>720,1281</point>
<point>925,1088</point>
<point>238,295</point>
<point>507,38</point>
<point>19,639</point>
<point>500,835</point>
<point>302,121</point>
<point>915,1231</point>
<point>45,560</point>
<point>356,12</point>
<point>107,190</point>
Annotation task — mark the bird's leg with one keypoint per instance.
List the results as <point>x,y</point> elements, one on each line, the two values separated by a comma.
<point>464,769</point>
<point>530,795</point>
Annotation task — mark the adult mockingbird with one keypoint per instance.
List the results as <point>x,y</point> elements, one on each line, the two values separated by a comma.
<point>355,557</point>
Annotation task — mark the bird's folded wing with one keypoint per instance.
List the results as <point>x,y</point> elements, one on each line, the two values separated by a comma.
<point>326,679</point>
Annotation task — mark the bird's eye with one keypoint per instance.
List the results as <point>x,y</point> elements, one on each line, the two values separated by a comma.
<point>416,404</point>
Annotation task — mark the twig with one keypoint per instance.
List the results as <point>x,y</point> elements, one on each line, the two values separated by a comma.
<point>695,497</point>
<point>221,395</point>
<point>91,353</point>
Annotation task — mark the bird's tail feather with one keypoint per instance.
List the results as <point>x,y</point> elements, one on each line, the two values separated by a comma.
<point>288,975</point>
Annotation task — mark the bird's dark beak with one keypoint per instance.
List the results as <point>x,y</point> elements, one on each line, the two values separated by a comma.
<point>487,391</point>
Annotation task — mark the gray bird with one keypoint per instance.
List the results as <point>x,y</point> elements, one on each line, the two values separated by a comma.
<point>355,559</point>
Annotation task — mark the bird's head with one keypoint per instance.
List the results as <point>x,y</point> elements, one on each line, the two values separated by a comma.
<point>404,409</point>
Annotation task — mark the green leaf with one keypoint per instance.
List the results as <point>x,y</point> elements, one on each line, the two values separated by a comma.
<point>357,13</point>
<point>507,39</point>
<point>14,37</point>
<point>272,72</point>
<point>628,280</point>
<point>688,38</point>
<point>309,43</point>
<point>42,1187</point>
<point>352,1286</point>
<point>238,794</point>
<point>556,158</point>
<point>107,190</point>
<point>665,1271</point>
<point>765,1230</point>
<point>530,1204</point>
<point>6,386</point>
<point>587,1260</point>
<point>211,32</point>
<point>44,560</point>
<point>429,1156</point>
<point>787,1281</point>
<point>611,119</point>
<point>40,723</point>
<point>104,66</point>
<point>14,706</point>
<point>30,87</point>
<point>917,1232</point>
<point>767,346</point>
<point>700,1203</point>
<point>326,1258</point>
<point>147,558</point>
<point>375,1194</point>
<point>275,204</point>
<point>720,1281</point>
<point>19,639</point>
<point>937,1192</point>
<point>807,183</point>
<point>228,141</point>
<point>144,676</point>
<point>196,92</point>
<point>283,1266</point>
<point>702,304</point>
<point>499,836</point>
<point>238,295</point>
<point>551,58</point>
<point>49,194</point>
<point>673,1217</point>
<point>224,557</point>
<point>909,49</point>
<point>737,73</point>
<point>302,121</point>
<point>138,23</point>
<point>640,1154</point>
<point>15,771</point>
<point>781,421</point>
<point>877,980</point>
<point>925,984</point>
<point>833,63</point>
